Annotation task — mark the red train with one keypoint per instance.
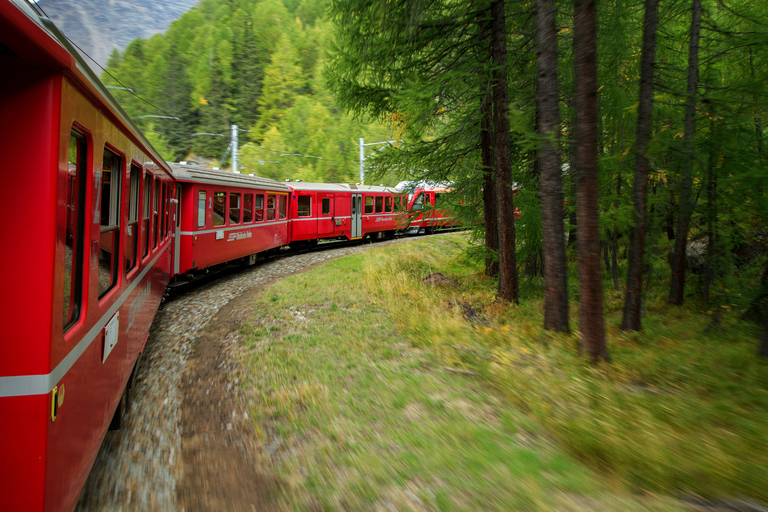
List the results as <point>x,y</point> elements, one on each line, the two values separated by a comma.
<point>83,274</point>
<point>113,225</point>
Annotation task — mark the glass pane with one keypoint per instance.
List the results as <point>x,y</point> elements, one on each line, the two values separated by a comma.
<point>109,239</point>
<point>147,211</point>
<point>219,208</point>
<point>379,204</point>
<point>388,204</point>
<point>326,206</point>
<point>234,208</point>
<point>368,204</point>
<point>247,208</point>
<point>270,207</point>
<point>303,204</point>
<point>155,213</point>
<point>283,206</point>
<point>74,241</point>
<point>258,208</point>
<point>201,209</point>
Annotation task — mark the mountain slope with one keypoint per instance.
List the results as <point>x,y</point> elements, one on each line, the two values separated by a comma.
<point>101,26</point>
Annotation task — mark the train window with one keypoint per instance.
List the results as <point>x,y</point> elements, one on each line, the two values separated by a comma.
<point>258,208</point>
<point>418,204</point>
<point>326,206</point>
<point>283,206</point>
<point>439,200</point>
<point>147,225</point>
<point>155,213</point>
<point>304,204</point>
<point>219,208</point>
<point>388,204</point>
<point>75,229</point>
<point>234,208</point>
<point>109,237</point>
<point>132,230</point>
<point>379,204</point>
<point>399,202</point>
<point>368,204</point>
<point>201,209</point>
<point>247,208</point>
<point>167,210</point>
<point>270,207</point>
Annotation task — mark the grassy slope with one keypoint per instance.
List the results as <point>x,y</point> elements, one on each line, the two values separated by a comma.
<point>356,407</point>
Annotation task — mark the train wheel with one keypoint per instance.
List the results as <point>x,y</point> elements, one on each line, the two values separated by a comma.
<point>118,420</point>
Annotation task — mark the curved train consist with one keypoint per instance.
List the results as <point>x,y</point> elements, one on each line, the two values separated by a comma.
<point>114,224</point>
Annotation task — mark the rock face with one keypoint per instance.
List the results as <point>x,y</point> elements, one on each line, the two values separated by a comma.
<point>101,26</point>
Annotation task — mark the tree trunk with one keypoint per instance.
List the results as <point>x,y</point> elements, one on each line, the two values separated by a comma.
<point>506,217</point>
<point>677,288</point>
<point>632,306</point>
<point>489,191</point>
<point>553,231</point>
<point>712,243</point>
<point>585,60</point>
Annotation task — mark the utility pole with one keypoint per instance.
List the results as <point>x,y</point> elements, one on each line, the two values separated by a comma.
<point>362,160</point>
<point>362,154</point>
<point>234,149</point>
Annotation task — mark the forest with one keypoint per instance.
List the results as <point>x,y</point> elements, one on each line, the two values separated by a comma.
<point>628,136</point>
<point>256,64</point>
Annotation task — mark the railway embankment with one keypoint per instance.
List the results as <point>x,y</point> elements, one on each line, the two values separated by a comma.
<point>140,467</point>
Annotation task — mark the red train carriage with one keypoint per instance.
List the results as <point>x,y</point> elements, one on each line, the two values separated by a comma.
<point>333,211</point>
<point>426,207</point>
<point>227,216</point>
<point>86,238</point>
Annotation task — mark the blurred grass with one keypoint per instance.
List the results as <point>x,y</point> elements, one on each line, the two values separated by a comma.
<point>356,408</point>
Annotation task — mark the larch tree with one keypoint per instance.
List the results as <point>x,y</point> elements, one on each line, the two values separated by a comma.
<point>591,321</point>
<point>550,169</point>
<point>631,319</point>
<point>508,286</point>
<point>685,207</point>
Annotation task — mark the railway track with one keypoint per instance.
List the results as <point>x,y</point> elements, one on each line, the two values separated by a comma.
<point>140,466</point>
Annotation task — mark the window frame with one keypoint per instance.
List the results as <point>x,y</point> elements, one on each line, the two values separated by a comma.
<point>204,195</point>
<point>271,212</point>
<point>247,209</point>
<point>75,305</point>
<point>217,194</point>
<point>114,220</point>
<point>133,214</point>
<point>260,208</point>
<point>238,208</point>
<point>307,207</point>
<point>368,204</point>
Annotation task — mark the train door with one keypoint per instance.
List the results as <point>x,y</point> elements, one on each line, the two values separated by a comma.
<point>357,216</point>
<point>177,231</point>
<point>325,224</point>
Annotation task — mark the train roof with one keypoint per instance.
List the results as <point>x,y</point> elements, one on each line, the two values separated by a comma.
<point>339,187</point>
<point>196,173</point>
<point>35,38</point>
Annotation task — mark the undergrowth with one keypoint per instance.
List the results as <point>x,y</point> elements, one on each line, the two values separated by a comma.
<point>682,408</point>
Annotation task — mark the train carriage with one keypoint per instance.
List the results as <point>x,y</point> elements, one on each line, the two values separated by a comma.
<point>426,207</point>
<point>86,238</point>
<point>342,211</point>
<point>227,216</point>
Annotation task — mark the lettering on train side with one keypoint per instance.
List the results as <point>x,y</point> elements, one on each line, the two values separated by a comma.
<point>241,235</point>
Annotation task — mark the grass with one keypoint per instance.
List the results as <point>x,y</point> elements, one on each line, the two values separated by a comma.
<point>357,408</point>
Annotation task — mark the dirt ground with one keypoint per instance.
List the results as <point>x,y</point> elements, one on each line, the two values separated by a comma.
<point>222,470</point>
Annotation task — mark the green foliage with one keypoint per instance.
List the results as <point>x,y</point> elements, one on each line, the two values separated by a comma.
<point>254,63</point>
<point>681,410</point>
